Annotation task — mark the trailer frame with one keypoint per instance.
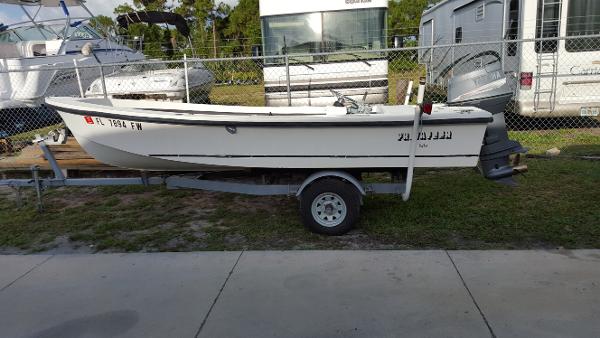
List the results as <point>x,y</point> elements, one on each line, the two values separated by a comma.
<point>194,181</point>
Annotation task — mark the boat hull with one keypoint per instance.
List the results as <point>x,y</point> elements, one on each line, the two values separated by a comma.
<point>140,143</point>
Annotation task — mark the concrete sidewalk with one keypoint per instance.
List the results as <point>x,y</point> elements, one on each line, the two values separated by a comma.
<point>303,294</point>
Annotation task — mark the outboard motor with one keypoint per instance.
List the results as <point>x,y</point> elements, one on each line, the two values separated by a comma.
<point>490,89</point>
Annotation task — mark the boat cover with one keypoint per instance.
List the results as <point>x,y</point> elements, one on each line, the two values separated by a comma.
<point>155,17</point>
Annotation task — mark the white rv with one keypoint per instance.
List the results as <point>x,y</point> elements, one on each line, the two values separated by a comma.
<point>355,30</point>
<point>556,77</point>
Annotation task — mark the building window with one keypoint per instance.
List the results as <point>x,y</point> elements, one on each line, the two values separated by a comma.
<point>458,36</point>
<point>512,31</point>
<point>583,19</point>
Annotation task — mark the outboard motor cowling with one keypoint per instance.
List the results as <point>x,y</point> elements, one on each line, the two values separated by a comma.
<point>490,89</point>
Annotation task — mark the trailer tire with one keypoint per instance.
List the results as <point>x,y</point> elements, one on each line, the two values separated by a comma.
<point>330,206</point>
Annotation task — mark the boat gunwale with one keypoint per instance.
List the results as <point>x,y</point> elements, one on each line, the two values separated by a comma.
<point>194,118</point>
<point>171,121</point>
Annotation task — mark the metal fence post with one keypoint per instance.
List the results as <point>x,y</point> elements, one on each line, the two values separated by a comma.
<point>103,81</point>
<point>187,84</point>
<point>288,80</point>
<point>38,187</point>
<point>78,78</point>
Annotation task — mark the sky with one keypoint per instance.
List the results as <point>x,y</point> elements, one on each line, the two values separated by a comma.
<point>11,14</point>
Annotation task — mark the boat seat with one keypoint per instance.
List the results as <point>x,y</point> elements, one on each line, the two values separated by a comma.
<point>9,51</point>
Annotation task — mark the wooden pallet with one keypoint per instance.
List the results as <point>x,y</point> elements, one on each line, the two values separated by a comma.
<point>70,156</point>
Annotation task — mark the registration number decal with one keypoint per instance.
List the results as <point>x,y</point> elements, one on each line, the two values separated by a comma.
<point>114,123</point>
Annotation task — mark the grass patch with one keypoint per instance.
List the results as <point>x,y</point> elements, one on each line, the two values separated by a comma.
<point>240,95</point>
<point>555,205</point>
<point>570,141</point>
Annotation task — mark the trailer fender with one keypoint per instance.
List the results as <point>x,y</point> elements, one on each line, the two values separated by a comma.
<point>333,174</point>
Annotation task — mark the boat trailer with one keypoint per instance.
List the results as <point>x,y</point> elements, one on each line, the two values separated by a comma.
<point>322,205</point>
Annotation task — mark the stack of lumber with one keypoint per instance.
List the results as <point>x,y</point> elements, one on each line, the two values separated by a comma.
<point>70,156</point>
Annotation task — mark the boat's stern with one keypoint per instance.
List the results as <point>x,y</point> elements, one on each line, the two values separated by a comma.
<point>489,89</point>
<point>500,157</point>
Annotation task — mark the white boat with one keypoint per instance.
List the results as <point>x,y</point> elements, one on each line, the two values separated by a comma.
<point>154,81</point>
<point>315,153</point>
<point>28,47</point>
<point>163,136</point>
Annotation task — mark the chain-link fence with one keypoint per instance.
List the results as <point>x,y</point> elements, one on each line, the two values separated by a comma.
<point>556,83</point>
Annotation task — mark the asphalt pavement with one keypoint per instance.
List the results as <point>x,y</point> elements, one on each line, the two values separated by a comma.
<point>303,294</point>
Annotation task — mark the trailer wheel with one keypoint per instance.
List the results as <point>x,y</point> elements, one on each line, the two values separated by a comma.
<point>330,207</point>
